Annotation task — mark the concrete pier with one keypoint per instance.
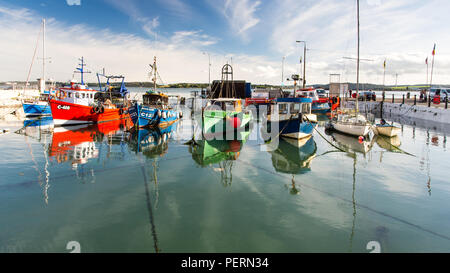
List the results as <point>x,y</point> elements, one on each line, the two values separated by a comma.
<point>422,112</point>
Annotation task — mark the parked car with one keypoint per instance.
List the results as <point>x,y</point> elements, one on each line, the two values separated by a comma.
<point>366,95</point>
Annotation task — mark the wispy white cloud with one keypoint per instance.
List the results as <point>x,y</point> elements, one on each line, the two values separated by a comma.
<point>73,2</point>
<point>240,15</point>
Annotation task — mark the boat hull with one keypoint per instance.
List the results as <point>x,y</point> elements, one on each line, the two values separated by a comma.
<point>40,108</point>
<point>219,122</point>
<point>352,129</point>
<point>293,128</point>
<point>148,117</point>
<point>65,113</point>
<point>389,131</point>
<point>320,107</point>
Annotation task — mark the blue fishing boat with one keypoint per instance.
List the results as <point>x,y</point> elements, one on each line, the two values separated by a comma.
<point>292,118</point>
<point>152,141</point>
<point>154,110</point>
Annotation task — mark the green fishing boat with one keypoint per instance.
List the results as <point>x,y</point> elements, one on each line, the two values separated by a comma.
<point>224,115</point>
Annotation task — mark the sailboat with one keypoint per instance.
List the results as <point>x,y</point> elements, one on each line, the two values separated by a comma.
<point>351,122</point>
<point>39,107</point>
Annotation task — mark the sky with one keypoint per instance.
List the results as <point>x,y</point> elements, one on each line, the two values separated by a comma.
<point>258,38</point>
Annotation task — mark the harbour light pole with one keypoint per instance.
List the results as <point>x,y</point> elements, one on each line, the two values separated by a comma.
<point>209,67</point>
<point>304,62</point>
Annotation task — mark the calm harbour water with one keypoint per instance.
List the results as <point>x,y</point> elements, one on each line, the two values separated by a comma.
<point>102,187</point>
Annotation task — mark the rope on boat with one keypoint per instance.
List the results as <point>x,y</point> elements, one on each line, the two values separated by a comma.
<point>284,127</point>
<point>329,142</point>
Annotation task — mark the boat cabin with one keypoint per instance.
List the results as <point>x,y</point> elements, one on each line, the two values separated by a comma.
<point>156,99</point>
<point>225,104</point>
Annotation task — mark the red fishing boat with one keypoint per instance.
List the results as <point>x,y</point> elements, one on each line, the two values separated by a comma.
<point>78,104</point>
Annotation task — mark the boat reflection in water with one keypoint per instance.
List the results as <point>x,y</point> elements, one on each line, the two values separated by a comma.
<point>293,157</point>
<point>222,152</point>
<point>391,144</point>
<point>353,144</point>
<point>153,143</point>
<point>77,144</point>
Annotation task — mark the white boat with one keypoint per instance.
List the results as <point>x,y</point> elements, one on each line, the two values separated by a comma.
<point>387,130</point>
<point>355,125</point>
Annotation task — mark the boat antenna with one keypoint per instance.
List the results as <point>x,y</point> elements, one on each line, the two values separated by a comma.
<point>81,69</point>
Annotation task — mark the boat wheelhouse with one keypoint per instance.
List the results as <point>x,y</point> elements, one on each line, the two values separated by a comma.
<point>292,118</point>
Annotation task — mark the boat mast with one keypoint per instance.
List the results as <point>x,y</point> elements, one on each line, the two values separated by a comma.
<point>154,74</point>
<point>357,62</point>
<point>43,55</point>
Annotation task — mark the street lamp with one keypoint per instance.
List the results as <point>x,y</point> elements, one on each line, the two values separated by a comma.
<point>304,62</point>
<point>209,67</point>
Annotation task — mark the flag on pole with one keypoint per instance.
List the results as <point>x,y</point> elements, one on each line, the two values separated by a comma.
<point>426,60</point>
<point>434,50</point>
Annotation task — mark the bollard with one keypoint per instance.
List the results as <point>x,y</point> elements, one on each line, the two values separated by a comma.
<point>382,97</point>
<point>446,102</point>
<point>392,98</point>
<point>429,100</point>
<point>415,99</point>
<point>403,99</point>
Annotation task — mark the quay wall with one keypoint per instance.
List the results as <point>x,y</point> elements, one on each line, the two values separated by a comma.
<point>420,112</point>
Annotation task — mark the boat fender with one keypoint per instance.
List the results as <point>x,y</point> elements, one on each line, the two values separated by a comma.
<point>97,109</point>
<point>102,109</point>
<point>159,113</point>
<point>164,115</point>
<point>181,114</point>
<point>334,100</point>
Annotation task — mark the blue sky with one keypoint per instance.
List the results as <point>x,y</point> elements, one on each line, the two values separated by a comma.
<point>253,35</point>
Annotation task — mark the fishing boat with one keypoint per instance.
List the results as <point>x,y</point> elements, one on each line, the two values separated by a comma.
<point>348,121</point>
<point>224,115</point>
<point>386,129</point>
<point>40,106</point>
<point>78,104</point>
<point>292,118</point>
<point>154,110</point>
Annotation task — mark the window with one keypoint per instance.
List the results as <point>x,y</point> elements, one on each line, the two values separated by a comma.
<point>282,108</point>
<point>306,108</point>
<point>83,95</point>
<point>295,108</point>
<point>77,95</point>
<point>69,94</point>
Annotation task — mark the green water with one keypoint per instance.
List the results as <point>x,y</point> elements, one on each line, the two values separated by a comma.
<point>111,195</point>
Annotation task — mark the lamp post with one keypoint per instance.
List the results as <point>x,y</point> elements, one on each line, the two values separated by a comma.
<point>209,67</point>
<point>304,62</point>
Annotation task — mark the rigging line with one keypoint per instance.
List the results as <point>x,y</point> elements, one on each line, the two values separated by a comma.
<point>353,202</point>
<point>32,61</point>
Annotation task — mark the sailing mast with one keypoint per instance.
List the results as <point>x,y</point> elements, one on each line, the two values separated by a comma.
<point>357,62</point>
<point>43,56</point>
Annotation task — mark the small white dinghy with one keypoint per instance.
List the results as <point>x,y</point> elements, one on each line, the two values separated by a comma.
<point>388,130</point>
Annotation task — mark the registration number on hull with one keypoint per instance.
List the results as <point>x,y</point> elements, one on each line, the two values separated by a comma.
<point>63,107</point>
